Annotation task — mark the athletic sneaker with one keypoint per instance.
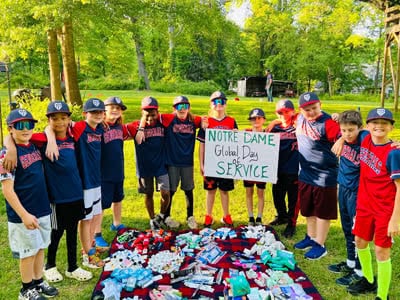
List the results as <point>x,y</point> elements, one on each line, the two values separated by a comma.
<point>252,221</point>
<point>171,223</point>
<point>30,294</point>
<point>208,221</point>
<point>117,228</point>
<point>227,220</point>
<point>305,243</point>
<point>348,279</point>
<point>362,287</point>
<point>191,221</point>
<point>258,221</point>
<point>52,275</point>
<point>316,252</point>
<point>278,221</point>
<point>154,225</point>
<point>289,231</point>
<point>46,290</point>
<point>341,267</point>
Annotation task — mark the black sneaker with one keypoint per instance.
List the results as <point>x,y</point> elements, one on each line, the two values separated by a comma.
<point>278,221</point>
<point>348,279</point>
<point>46,290</point>
<point>252,221</point>
<point>258,221</point>
<point>30,294</point>
<point>362,287</point>
<point>341,267</point>
<point>289,231</point>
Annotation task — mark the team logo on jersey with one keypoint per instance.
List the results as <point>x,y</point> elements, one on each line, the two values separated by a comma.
<point>307,97</point>
<point>96,102</point>
<point>22,112</point>
<point>381,112</point>
<point>57,106</point>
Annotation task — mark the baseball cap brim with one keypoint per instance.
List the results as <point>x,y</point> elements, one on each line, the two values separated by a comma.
<point>380,118</point>
<point>22,119</point>
<point>150,107</point>
<point>59,111</point>
<point>309,103</point>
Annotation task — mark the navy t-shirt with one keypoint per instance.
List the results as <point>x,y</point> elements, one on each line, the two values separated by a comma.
<point>112,154</point>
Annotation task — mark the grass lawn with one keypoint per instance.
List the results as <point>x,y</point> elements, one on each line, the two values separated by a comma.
<point>135,215</point>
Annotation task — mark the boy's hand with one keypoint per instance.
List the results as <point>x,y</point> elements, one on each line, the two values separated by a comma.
<point>204,122</point>
<point>52,151</point>
<point>338,147</point>
<point>393,228</point>
<point>10,159</point>
<point>30,221</point>
<point>140,138</point>
<point>335,117</point>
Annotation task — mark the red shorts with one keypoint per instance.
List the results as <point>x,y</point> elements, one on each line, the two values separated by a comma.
<point>316,201</point>
<point>370,226</point>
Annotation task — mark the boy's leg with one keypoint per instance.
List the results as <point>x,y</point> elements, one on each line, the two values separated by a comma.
<point>71,234</point>
<point>261,201</point>
<point>117,213</point>
<point>210,199</point>
<point>278,195</point>
<point>384,278</point>
<point>249,201</point>
<point>56,235</point>
<point>38,265</point>
<point>84,235</point>
<point>225,202</point>
<point>189,203</point>
<point>164,203</point>
<point>26,269</point>
<point>168,210</point>
<point>149,202</point>
<point>322,229</point>
<point>311,227</point>
<point>292,194</point>
<point>364,255</point>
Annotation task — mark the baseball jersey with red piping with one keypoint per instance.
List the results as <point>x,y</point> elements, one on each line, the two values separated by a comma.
<point>379,166</point>
<point>180,138</point>
<point>227,123</point>
<point>29,183</point>
<point>64,183</point>
<point>288,152</point>
<point>150,154</point>
<point>112,153</point>
<point>88,153</point>
<point>349,165</point>
<point>318,164</point>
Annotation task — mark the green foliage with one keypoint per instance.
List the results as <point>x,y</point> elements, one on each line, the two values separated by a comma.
<point>185,87</point>
<point>109,83</point>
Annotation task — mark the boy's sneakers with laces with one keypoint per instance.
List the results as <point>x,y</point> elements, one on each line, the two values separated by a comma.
<point>191,221</point>
<point>341,267</point>
<point>252,221</point>
<point>316,252</point>
<point>305,243</point>
<point>362,287</point>
<point>348,279</point>
<point>30,294</point>
<point>227,220</point>
<point>278,221</point>
<point>289,231</point>
<point>117,228</point>
<point>101,244</point>
<point>258,221</point>
<point>52,275</point>
<point>154,225</point>
<point>46,290</point>
<point>208,221</point>
<point>171,223</point>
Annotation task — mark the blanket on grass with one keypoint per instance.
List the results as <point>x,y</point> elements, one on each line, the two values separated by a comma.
<point>230,245</point>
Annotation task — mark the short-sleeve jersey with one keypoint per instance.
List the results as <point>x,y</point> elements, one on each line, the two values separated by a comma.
<point>64,183</point>
<point>150,155</point>
<point>318,164</point>
<point>180,139</point>
<point>29,183</point>
<point>349,165</point>
<point>379,166</point>
<point>227,123</point>
<point>112,153</point>
<point>88,151</point>
<point>288,152</point>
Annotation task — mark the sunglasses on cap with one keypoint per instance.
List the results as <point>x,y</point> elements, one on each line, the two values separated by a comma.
<point>21,125</point>
<point>218,101</point>
<point>181,106</point>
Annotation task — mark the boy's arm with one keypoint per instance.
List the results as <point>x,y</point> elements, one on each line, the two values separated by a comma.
<point>139,137</point>
<point>338,147</point>
<point>393,227</point>
<point>52,148</point>
<point>29,220</point>
<point>10,157</point>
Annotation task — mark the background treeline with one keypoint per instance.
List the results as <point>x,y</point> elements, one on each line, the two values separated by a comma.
<point>189,46</point>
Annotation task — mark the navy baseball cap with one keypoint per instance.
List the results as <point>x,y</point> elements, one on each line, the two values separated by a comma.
<point>19,114</point>
<point>380,113</point>
<point>181,100</point>
<point>113,100</point>
<point>218,95</point>
<point>284,104</point>
<point>93,104</point>
<point>308,99</point>
<point>256,112</point>
<point>149,103</point>
<point>57,106</point>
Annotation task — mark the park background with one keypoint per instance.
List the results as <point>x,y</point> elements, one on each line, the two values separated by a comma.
<point>164,48</point>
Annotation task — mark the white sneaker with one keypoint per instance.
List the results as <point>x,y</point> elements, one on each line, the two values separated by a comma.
<point>79,274</point>
<point>191,221</point>
<point>171,223</point>
<point>52,275</point>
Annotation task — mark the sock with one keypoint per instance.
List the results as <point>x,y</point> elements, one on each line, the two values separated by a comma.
<point>37,281</point>
<point>384,278</point>
<point>27,285</point>
<point>351,263</point>
<point>251,215</point>
<point>364,255</point>
<point>92,251</point>
<point>162,216</point>
<point>358,272</point>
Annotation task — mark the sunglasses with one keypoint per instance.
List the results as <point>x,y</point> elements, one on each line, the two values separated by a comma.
<point>24,124</point>
<point>182,106</point>
<point>219,101</point>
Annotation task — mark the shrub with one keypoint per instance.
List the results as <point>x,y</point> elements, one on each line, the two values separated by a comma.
<point>108,83</point>
<point>185,87</point>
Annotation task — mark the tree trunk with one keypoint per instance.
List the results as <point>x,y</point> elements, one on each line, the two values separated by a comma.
<point>143,77</point>
<point>330,83</point>
<point>55,81</point>
<point>70,70</point>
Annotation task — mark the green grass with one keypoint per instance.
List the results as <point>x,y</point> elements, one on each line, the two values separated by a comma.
<point>135,215</point>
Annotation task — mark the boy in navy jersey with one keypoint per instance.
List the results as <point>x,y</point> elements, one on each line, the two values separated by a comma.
<point>28,209</point>
<point>316,132</point>
<point>150,159</point>
<point>288,168</point>
<point>348,177</point>
<point>378,204</point>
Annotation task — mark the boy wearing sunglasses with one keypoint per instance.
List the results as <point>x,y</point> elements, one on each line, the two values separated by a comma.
<point>28,208</point>
<point>217,119</point>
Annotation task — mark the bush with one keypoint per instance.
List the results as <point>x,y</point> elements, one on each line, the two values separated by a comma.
<point>185,87</point>
<point>108,83</point>
<point>24,80</point>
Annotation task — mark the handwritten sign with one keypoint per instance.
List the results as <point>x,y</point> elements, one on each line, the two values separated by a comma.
<point>243,155</point>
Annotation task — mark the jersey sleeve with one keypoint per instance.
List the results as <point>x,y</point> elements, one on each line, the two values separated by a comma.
<point>393,163</point>
<point>197,121</point>
<point>77,129</point>
<point>332,130</point>
<point>38,139</point>
<point>132,128</point>
<point>201,135</point>
<point>166,119</point>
